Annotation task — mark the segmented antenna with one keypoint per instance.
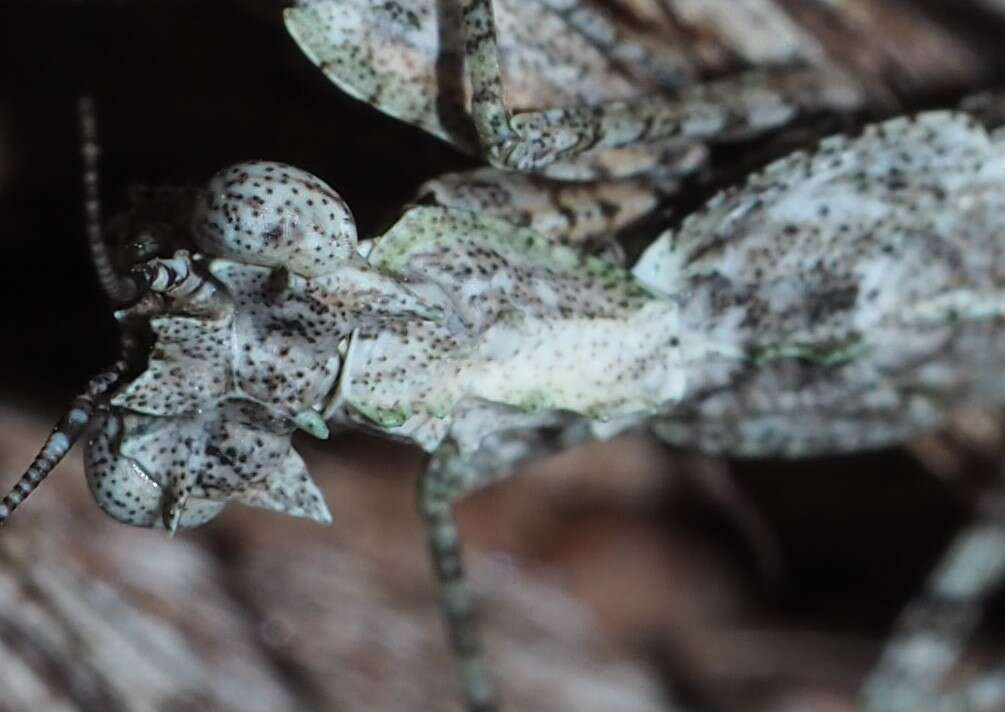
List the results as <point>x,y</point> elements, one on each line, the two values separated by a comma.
<point>121,289</point>
<point>64,435</point>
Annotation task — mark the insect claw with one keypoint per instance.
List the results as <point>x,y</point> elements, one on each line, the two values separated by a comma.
<point>171,512</point>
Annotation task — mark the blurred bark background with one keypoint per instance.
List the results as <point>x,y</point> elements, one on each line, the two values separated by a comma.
<point>613,577</point>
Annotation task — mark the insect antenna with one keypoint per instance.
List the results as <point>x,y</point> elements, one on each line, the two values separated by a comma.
<point>121,289</point>
<point>63,436</point>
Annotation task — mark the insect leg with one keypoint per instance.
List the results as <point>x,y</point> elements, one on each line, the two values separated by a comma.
<point>439,486</point>
<point>449,475</point>
<point>932,631</point>
<point>733,107</point>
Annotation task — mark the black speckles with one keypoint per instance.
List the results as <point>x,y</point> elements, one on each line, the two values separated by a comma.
<point>285,339</point>
<point>529,309</point>
<point>187,368</point>
<point>846,316</point>
<point>271,214</point>
<point>824,304</point>
<point>197,462</point>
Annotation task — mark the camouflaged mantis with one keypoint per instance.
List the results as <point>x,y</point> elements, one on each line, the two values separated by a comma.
<point>840,299</point>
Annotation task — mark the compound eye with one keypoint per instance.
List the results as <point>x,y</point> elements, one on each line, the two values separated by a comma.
<point>274,215</point>
<point>125,492</point>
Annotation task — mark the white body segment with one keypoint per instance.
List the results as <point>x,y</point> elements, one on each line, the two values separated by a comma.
<point>522,311</point>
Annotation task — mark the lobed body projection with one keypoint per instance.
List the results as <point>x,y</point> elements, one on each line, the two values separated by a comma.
<point>840,299</point>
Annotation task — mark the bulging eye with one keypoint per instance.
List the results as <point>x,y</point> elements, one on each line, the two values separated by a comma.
<point>125,492</point>
<point>274,215</point>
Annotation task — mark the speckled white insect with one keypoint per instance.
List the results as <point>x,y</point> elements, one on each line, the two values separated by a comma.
<point>840,299</point>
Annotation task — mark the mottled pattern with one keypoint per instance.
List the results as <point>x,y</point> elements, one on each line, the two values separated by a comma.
<point>188,366</point>
<point>287,330</point>
<point>284,344</point>
<point>407,58</point>
<point>838,300</point>
<point>632,42</point>
<point>274,215</point>
<point>178,471</point>
<point>844,298</point>
<point>553,86</point>
<point>585,215</point>
<point>522,310</point>
<point>759,31</point>
<point>243,353</point>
